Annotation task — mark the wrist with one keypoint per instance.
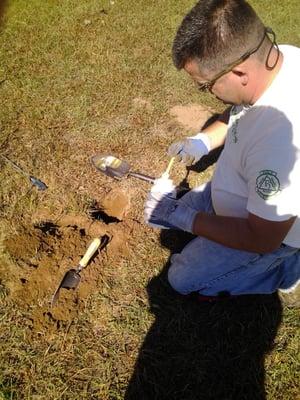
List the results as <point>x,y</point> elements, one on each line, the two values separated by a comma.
<point>195,224</point>
<point>204,137</point>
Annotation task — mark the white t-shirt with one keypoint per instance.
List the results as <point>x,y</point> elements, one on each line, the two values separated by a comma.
<point>259,169</point>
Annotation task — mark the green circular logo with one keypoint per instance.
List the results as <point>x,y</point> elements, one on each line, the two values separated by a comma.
<point>267,184</point>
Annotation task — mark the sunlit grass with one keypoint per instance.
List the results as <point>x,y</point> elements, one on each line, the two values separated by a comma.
<point>69,74</point>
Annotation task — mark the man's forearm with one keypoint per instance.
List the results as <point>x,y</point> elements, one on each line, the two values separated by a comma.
<point>217,131</point>
<point>230,231</point>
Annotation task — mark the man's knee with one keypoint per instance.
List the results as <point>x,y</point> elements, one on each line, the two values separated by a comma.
<point>179,278</point>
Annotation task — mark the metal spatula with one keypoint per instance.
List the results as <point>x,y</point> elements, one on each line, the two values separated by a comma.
<point>118,169</point>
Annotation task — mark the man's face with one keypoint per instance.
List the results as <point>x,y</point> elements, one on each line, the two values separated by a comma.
<point>227,88</point>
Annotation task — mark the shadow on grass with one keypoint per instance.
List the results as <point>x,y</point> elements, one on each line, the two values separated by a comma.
<point>209,351</point>
<point>203,351</point>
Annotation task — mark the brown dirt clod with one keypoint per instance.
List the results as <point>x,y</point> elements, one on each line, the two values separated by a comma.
<point>116,204</point>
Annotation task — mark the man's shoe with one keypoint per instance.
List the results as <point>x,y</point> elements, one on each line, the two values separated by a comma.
<point>290,297</point>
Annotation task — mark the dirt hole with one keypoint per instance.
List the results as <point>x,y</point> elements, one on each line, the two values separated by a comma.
<point>99,215</point>
<point>48,228</point>
<point>41,254</point>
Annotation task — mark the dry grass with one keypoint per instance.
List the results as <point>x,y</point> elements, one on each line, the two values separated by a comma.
<point>72,74</point>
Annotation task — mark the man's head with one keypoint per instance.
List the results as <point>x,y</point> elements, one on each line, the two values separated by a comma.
<point>213,38</point>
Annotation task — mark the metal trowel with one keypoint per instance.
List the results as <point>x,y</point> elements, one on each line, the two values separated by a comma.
<point>72,277</point>
<point>118,169</point>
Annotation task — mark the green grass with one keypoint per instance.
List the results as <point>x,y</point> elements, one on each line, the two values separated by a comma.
<point>70,72</point>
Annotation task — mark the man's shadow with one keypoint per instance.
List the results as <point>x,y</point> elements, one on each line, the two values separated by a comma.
<point>200,350</point>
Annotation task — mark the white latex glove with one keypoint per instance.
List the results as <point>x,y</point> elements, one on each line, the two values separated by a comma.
<point>191,149</point>
<point>163,186</point>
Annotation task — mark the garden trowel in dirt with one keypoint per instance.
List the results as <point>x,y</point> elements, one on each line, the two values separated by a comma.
<point>72,277</point>
<point>118,169</point>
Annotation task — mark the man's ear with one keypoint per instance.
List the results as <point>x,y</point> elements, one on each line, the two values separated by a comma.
<point>240,72</point>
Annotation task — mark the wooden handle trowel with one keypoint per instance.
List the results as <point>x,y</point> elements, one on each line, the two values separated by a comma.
<point>72,277</point>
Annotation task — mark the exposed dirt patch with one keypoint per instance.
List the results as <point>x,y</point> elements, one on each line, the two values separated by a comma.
<point>192,116</point>
<point>43,252</point>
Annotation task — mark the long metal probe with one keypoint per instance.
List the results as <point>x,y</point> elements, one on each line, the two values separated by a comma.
<point>35,181</point>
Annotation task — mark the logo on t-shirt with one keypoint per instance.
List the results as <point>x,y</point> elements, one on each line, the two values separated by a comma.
<point>267,184</point>
<point>235,115</point>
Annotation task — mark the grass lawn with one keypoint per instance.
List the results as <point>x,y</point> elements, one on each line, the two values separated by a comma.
<point>80,78</point>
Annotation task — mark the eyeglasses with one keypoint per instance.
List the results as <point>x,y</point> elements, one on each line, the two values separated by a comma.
<point>208,85</point>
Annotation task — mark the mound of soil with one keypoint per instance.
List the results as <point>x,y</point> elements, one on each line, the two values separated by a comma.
<point>43,252</point>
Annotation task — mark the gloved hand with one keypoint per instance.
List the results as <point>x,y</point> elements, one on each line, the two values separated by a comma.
<point>162,187</point>
<point>162,210</point>
<point>191,149</point>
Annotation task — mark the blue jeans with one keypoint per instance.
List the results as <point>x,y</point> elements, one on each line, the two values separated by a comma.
<point>209,268</point>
